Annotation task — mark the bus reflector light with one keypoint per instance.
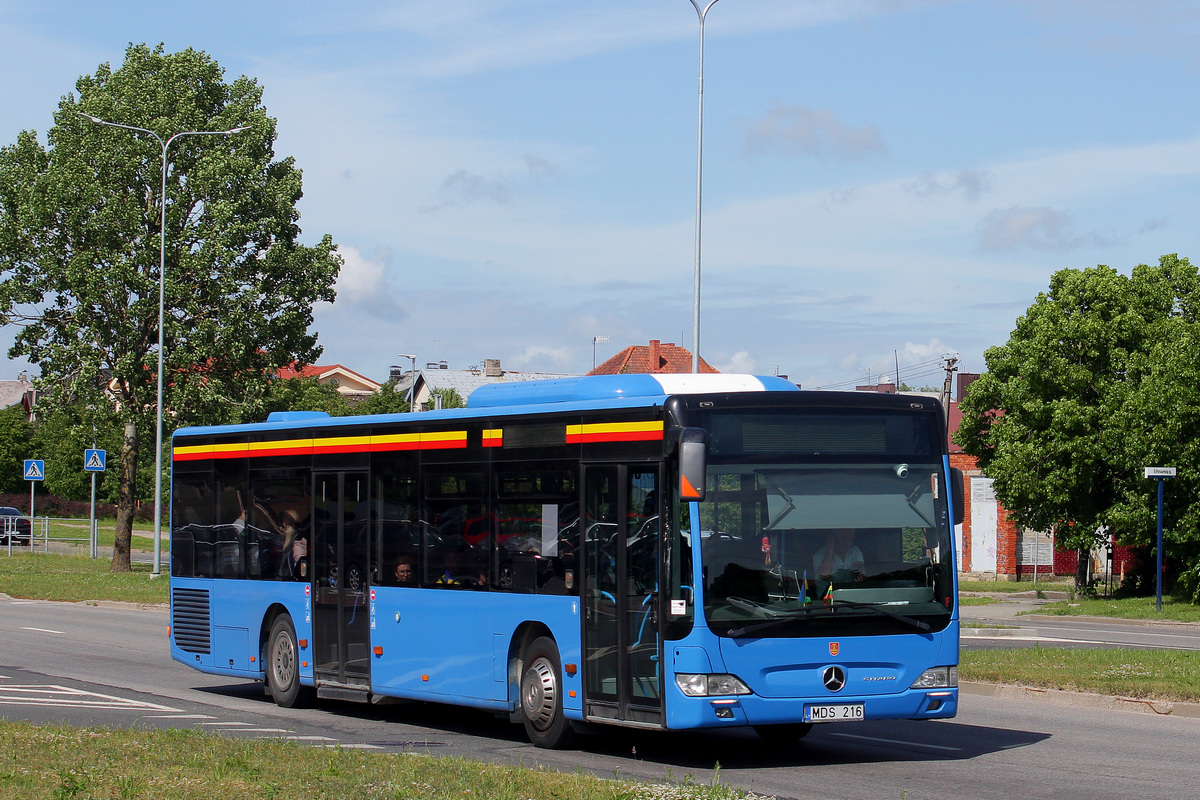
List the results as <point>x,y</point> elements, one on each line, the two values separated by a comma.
<point>253,659</point>
<point>303,644</point>
<point>168,631</point>
<point>304,663</point>
<point>378,650</point>
<point>571,669</point>
<point>571,693</point>
<point>425,677</point>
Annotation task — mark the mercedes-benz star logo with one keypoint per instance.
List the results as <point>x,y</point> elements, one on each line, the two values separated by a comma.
<point>834,678</point>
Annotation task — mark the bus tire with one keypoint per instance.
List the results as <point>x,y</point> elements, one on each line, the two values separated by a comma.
<point>283,664</point>
<point>541,696</point>
<point>785,733</point>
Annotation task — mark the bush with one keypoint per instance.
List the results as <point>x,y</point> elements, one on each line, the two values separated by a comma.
<point>48,505</point>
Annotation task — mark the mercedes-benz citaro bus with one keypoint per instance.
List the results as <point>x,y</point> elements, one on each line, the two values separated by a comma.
<point>660,552</point>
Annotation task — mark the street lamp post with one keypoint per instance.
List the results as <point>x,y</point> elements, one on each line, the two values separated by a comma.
<point>412,384</point>
<point>162,293</point>
<point>701,13</point>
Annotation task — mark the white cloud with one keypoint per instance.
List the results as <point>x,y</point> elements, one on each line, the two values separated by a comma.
<point>788,128</point>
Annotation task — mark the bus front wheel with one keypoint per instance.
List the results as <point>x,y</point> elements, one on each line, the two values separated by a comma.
<point>541,696</point>
<point>283,664</point>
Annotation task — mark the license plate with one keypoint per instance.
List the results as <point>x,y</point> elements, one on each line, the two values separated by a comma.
<point>847,712</point>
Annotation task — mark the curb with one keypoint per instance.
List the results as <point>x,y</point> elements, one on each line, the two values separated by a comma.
<point>1138,705</point>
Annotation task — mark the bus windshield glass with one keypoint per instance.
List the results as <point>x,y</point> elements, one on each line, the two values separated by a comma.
<point>835,541</point>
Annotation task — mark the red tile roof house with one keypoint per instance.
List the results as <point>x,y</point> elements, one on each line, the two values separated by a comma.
<point>656,357</point>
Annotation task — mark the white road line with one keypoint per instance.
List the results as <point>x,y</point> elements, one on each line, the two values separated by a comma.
<point>262,730</point>
<point>65,697</point>
<point>311,739</point>
<point>41,630</point>
<point>898,741</point>
<point>177,716</point>
<point>246,724</point>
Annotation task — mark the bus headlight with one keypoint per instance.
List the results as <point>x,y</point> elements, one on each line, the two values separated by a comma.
<point>937,678</point>
<point>701,685</point>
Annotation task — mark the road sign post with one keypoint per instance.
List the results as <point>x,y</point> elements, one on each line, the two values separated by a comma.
<point>1159,474</point>
<point>94,461</point>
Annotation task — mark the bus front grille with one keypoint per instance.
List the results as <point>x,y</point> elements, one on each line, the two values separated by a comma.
<point>190,623</point>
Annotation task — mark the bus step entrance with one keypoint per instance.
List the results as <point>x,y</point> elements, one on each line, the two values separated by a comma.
<point>351,694</point>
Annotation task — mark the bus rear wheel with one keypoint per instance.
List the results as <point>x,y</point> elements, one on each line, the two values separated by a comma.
<point>541,696</point>
<point>283,664</point>
<point>784,733</point>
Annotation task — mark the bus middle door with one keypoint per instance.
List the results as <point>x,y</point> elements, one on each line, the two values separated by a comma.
<point>622,644</point>
<point>341,559</point>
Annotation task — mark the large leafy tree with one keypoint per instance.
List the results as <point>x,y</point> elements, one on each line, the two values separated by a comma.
<point>79,253</point>
<point>1073,406</point>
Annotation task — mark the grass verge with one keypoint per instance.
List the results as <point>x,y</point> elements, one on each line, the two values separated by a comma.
<point>1173,610</point>
<point>1010,587</point>
<point>75,579</point>
<point>1148,674</point>
<point>63,762</point>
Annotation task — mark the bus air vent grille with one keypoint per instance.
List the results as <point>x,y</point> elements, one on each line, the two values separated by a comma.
<point>191,620</point>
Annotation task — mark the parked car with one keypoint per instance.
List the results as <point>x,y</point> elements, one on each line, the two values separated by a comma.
<point>15,524</point>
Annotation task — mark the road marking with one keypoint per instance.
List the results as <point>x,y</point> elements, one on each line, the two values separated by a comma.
<point>262,730</point>
<point>41,630</point>
<point>311,739</point>
<point>898,741</point>
<point>247,724</point>
<point>361,747</point>
<point>177,716</point>
<point>65,697</point>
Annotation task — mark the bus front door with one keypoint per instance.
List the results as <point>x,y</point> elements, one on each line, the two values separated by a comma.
<point>621,639</point>
<point>341,560</point>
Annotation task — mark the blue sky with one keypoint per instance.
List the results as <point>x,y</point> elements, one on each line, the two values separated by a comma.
<point>884,180</point>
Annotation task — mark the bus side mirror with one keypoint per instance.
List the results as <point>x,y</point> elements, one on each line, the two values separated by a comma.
<point>693,463</point>
<point>956,494</point>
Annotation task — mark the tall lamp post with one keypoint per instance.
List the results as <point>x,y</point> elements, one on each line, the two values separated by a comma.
<point>162,293</point>
<point>701,13</point>
<point>412,384</point>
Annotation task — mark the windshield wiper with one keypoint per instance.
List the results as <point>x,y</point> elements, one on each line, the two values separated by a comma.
<point>781,617</point>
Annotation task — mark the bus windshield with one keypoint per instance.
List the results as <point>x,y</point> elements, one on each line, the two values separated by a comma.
<point>803,549</point>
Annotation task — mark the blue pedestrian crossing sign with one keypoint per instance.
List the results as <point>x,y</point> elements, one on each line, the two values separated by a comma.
<point>93,460</point>
<point>35,469</point>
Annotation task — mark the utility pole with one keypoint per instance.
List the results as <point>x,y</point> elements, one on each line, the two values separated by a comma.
<point>951,368</point>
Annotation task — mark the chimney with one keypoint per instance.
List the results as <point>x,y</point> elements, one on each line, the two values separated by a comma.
<point>965,379</point>
<point>655,356</point>
<point>491,368</point>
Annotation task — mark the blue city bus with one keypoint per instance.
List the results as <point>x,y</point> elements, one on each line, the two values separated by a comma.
<point>660,552</point>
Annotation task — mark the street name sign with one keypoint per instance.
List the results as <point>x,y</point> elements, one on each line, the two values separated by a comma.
<point>1160,472</point>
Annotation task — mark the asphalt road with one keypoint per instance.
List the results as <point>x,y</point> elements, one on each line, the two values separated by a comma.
<point>90,665</point>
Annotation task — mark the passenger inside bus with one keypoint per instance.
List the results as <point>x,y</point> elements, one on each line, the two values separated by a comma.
<point>405,573</point>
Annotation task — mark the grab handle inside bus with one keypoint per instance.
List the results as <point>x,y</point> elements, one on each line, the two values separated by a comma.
<point>693,463</point>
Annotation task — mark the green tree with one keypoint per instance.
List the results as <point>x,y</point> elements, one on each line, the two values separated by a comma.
<point>450,398</point>
<point>79,253</point>
<point>1071,407</point>
<point>386,401</point>
<point>15,447</point>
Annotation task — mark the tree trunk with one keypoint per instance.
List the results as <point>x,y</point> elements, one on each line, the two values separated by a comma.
<point>125,500</point>
<point>1083,569</point>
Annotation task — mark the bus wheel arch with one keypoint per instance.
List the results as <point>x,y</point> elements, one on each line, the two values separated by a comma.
<point>540,695</point>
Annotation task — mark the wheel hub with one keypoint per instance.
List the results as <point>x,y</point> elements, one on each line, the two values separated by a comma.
<point>539,693</point>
